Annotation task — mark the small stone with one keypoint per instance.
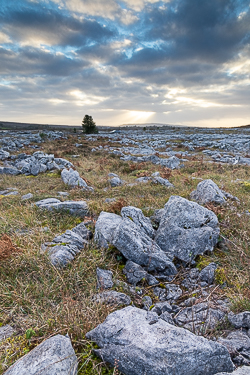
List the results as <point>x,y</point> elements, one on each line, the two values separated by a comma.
<point>27,196</point>
<point>113,298</point>
<point>104,278</point>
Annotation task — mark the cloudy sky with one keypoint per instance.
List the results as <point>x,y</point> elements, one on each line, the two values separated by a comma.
<point>125,61</point>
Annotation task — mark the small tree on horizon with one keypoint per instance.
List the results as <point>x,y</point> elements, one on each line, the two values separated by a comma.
<point>88,125</point>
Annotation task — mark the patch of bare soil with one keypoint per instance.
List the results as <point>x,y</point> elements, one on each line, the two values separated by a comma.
<point>7,249</point>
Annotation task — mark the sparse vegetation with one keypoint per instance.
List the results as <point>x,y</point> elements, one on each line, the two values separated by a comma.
<point>40,301</point>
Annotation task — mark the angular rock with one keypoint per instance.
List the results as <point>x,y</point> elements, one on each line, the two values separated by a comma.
<point>160,348</point>
<point>52,357</point>
<point>9,170</point>
<point>147,302</point>
<point>143,223</point>
<point>237,342</point>
<point>161,307</point>
<point>82,231</point>
<point>167,317</point>
<point>6,332</point>
<point>208,192</point>
<point>208,273</point>
<point>72,178</point>
<point>186,229</point>
<point>162,181</point>
<point>113,298</point>
<point>115,181</point>
<point>4,154</point>
<point>105,227</point>
<point>135,273</point>
<point>241,320</point>
<point>141,249</point>
<point>200,317</point>
<point>104,278</point>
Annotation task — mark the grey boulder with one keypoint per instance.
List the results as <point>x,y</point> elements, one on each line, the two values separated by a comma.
<point>162,181</point>
<point>208,192</point>
<point>9,170</point>
<point>72,178</point>
<point>135,245</point>
<point>105,227</point>
<point>136,215</point>
<point>141,346</point>
<point>52,357</point>
<point>186,229</point>
<point>115,181</point>
<point>104,278</point>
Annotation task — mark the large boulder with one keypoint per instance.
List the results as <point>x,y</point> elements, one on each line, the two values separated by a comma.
<point>208,192</point>
<point>105,227</point>
<point>186,229</point>
<point>136,215</point>
<point>52,357</point>
<point>135,245</point>
<point>143,345</point>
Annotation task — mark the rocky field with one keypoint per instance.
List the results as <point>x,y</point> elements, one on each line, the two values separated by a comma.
<point>125,252</point>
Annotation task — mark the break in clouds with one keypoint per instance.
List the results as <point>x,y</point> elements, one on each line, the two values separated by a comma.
<point>177,61</point>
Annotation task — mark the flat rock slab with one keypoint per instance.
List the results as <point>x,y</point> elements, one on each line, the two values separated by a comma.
<point>76,208</point>
<point>186,229</point>
<point>142,346</point>
<point>54,356</point>
<point>244,370</point>
<point>113,298</point>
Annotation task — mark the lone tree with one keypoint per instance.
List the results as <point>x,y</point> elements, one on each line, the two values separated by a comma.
<point>88,125</point>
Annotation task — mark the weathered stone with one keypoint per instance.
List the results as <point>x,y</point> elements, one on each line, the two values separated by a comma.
<point>167,317</point>
<point>200,317</point>
<point>9,170</point>
<point>207,274</point>
<point>6,332</point>
<point>143,223</point>
<point>104,278</point>
<point>113,298</point>
<point>127,337</point>
<point>186,229</point>
<point>76,208</point>
<point>27,196</point>
<point>162,181</point>
<point>208,192</point>
<point>237,342</point>
<point>241,320</point>
<point>105,227</point>
<point>161,307</point>
<point>4,154</point>
<point>135,273</point>
<point>147,302</point>
<point>52,357</point>
<point>82,231</point>
<point>245,370</point>
<point>72,178</point>
<point>115,181</point>
<point>141,249</point>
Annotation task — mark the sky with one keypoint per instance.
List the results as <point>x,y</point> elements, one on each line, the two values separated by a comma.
<point>181,62</point>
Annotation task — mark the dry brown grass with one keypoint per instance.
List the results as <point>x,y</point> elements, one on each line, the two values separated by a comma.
<point>7,249</point>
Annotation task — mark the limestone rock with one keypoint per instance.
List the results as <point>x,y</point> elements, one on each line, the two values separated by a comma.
<point>135,245</point>
<point>104,278</point>
<point>237,343</point>
<point>186,229</point>
<point>105,227</point>
<point>113,298</point>
<point>135,273</point>
<point>208,273</point>
<point>76,208</point>
<point>208,192</point>
<point>143,223</point>
<point>244,370</point>
<point>241,320</point>
<point>72,178</point>
<point>52,357</point>
<point>159,348</point>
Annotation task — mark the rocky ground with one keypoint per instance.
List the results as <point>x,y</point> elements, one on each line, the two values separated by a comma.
<point>125,252</point>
